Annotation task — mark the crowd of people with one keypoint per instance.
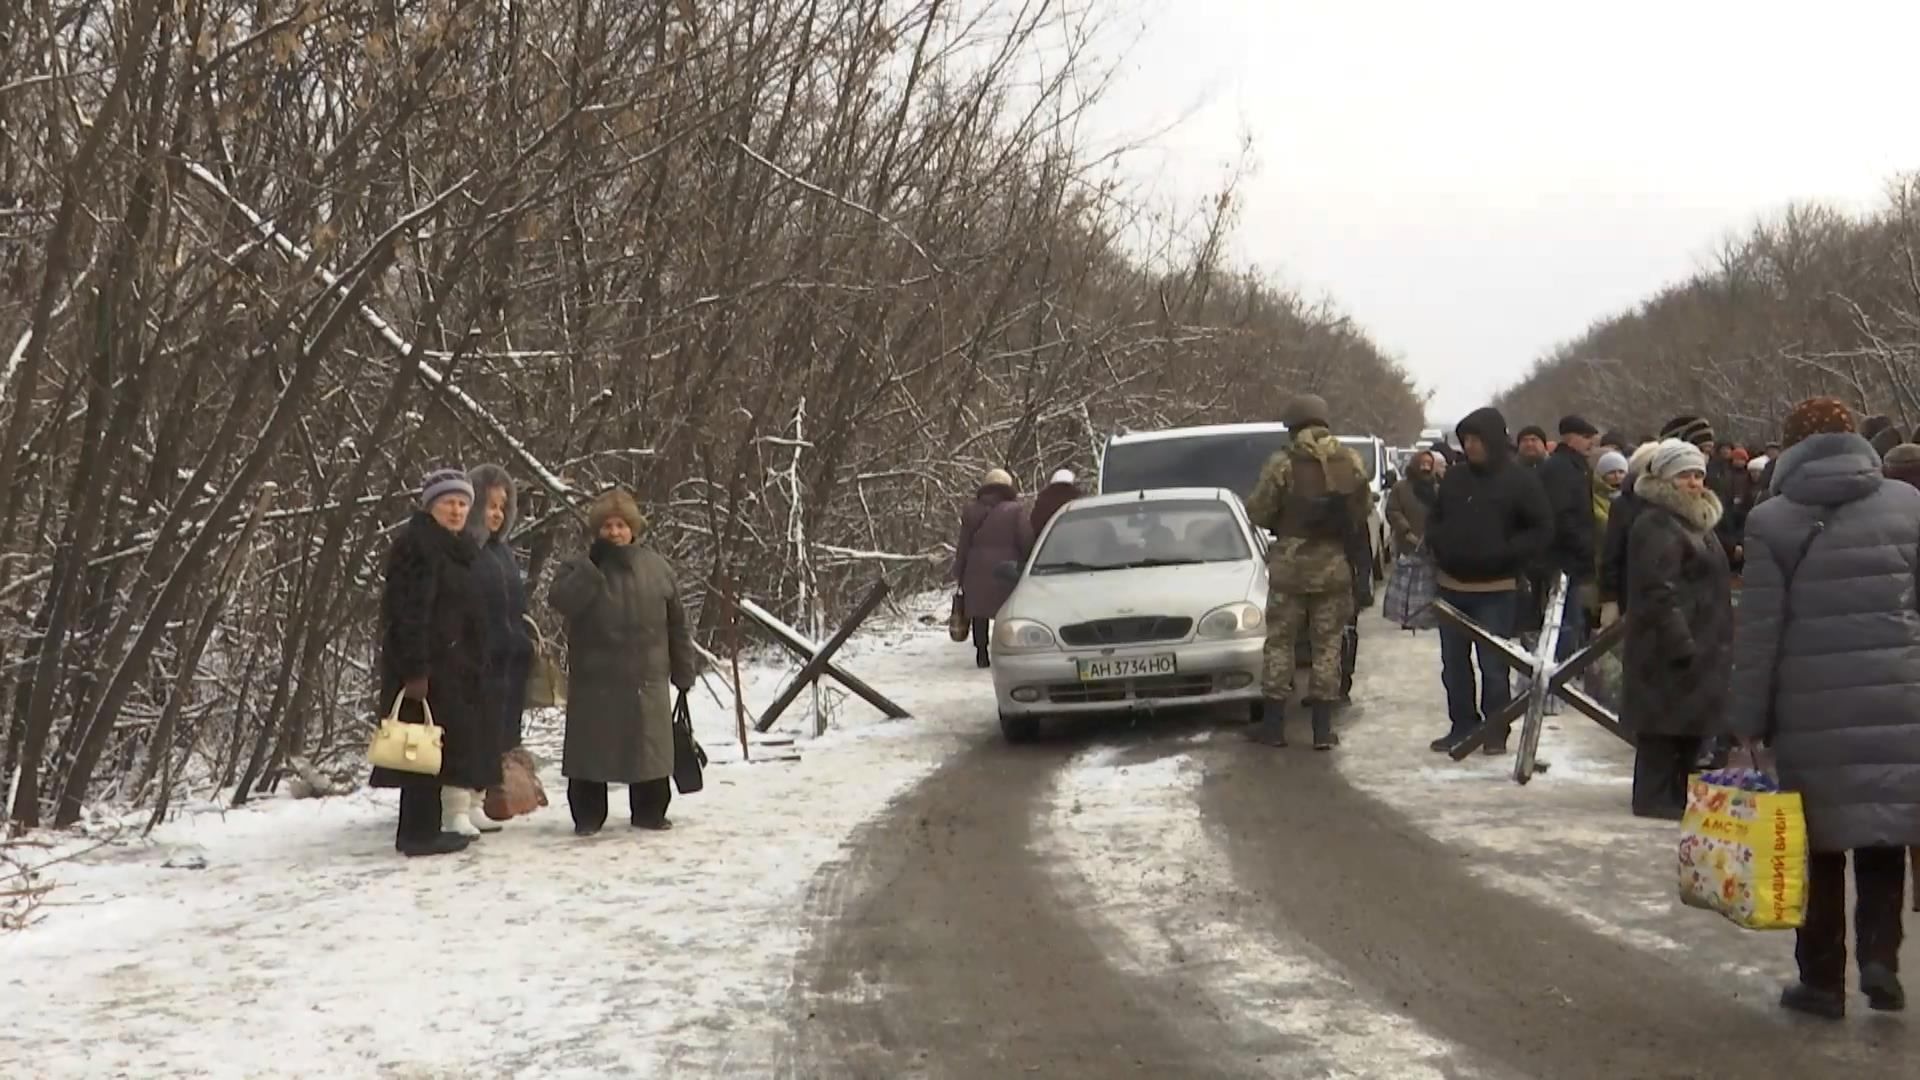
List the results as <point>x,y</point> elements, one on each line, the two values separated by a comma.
<point>1814,670</point>
<point>456,649</point>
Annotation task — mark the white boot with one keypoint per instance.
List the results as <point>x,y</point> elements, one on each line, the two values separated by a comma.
<point>478,801</point>
<point>455,815</point>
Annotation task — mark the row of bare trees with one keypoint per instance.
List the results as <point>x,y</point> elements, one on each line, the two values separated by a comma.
<point>1812,301</point>
<point>795,270</point>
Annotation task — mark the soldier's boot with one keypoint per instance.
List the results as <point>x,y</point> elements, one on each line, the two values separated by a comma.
<point>1323,736</point>
<point>1271,728</point>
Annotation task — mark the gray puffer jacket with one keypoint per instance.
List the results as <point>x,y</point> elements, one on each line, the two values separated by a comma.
<point>1846,690</point>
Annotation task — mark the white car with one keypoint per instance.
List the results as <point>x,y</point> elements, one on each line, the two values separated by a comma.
<point>1130,603</point>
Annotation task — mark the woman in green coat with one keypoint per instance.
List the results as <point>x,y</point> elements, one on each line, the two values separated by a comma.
<point>628,650</point>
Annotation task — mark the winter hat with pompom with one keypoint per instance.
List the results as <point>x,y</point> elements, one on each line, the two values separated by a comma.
<point>1673,458</point>
<point>1816,416</point>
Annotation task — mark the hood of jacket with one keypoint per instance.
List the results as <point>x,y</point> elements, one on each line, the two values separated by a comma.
<point>1828,470</point>
<point>1489,425</point>
<point>1314,442</point>
<point>486,478</point>
<point>1699,512</point>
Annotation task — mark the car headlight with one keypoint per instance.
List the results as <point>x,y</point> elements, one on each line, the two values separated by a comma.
<point>1234,620</point>
<point>1021,635</point>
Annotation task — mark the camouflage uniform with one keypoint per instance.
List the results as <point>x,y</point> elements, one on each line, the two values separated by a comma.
<point>1312,496</point>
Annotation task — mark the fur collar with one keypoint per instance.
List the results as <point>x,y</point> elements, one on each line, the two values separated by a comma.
<point>1699,513</point>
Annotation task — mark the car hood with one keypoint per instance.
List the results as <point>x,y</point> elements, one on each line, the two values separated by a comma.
<point>1065,599</point>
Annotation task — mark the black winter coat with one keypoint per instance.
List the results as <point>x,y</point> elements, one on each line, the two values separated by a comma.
<point>1491,522</point>
<point>1678,655</point>
<point>433,624</point>
<point>509,650</point>
<point>1568,482</point>
<point>1614,571</point>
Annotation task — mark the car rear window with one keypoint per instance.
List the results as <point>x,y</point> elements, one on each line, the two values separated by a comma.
<point>1231,461</point>
<point>1149,533</point>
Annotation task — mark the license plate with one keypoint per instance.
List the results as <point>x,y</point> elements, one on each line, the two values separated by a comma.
<point>1127,667</point>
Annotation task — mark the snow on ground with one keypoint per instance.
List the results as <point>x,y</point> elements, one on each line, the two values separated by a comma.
<point>1128,846</point>
<point>1566,839</point>
<point>307,947</point>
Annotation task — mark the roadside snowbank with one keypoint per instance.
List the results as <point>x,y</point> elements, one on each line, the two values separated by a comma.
<point>308,948</point>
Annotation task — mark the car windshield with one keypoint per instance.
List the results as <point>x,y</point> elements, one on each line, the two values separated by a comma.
<point>1223,460</point>
<point>1170,532</point>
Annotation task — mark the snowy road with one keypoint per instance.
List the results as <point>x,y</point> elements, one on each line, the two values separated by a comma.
<point>921,900</point>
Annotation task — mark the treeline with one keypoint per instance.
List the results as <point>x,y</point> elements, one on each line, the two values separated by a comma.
<point>1810,301</point>
<point>798,271</point>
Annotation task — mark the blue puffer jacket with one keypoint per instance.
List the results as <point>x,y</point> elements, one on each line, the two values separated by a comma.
<point>1843,702</point>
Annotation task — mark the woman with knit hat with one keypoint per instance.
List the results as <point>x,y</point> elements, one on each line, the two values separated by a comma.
<point>994,529</point>
<point>1827,669</point>
<point>628,651</point>
<point>1678,652</point>
<point>432,651</point>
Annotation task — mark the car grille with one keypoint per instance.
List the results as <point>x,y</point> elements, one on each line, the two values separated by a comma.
<point>1131,631</point>
<point>1151,688</point>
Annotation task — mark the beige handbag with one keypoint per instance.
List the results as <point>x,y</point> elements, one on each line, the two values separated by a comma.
<point>404,747</point>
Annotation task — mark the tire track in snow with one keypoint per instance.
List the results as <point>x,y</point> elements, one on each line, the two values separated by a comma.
<point>1128,847</point>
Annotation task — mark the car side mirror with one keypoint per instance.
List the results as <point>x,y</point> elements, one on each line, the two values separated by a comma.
<point>1008,572</point>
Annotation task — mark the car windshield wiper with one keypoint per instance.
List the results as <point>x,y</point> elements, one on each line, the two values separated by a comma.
<point>1139,564</point>
<point>1073,568</point>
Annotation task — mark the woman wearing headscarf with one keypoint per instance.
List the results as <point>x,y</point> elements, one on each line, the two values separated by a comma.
<point>993,530</point>
<point>628,651</point>
<point>503,598</point>
<point>1678,651</point>
<point>433,652</point>
<point>1410,502</point>
<point>1827,669</point>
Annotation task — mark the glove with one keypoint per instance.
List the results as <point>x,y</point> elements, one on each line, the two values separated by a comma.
<point>600,550</point>
<point>416,689</point>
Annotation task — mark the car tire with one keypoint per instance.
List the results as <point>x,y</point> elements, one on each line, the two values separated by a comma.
<point>1019,729</point>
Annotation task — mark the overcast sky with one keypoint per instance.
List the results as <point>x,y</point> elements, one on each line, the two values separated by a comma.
<point>1476,181</point>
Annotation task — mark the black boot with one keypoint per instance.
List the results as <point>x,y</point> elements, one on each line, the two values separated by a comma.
<point>1271,727</point>
<point>1323,736</point>
<point>1883,989</point>
<point>1812,1001</point>
<point>445,843</point>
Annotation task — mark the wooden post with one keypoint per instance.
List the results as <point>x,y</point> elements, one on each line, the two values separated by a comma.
<point>733,650</point>
<point>820,660</point>
<point>796,642</point>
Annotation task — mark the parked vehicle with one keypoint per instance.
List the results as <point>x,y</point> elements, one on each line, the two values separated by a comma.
<point>1142,601</point>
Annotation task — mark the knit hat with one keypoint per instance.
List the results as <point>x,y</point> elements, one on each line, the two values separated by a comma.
<point>1577,425</point>
<point>1534,430</point>
<point>997,478</point>
<point>1740,456</point>
<point>441,483</point>
<point>1612,461</point>
<point>1615,440</point>
<point>1816,416</point>
<point>1305,411</point>
<point>1691,429</point>
<point>1758,466</point>
<point>612,503</point>
<point>1673,457</point>
<point>1885,440</point>
<point>1064,476</point>
<point>1905,455</point>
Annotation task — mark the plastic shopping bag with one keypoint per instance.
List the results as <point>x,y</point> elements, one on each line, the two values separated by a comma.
<point>1412,588</point>
<point>1743,850</point>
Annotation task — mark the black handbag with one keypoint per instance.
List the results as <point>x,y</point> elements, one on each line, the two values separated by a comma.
<point>689,757</point>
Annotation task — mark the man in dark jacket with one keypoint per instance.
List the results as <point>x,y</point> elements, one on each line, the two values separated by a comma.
<point>1492,521</point>
<point>1567,477</point>
<point>1532,446</point>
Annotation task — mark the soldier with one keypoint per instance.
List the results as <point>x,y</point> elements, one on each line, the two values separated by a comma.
<point>1313,497</point>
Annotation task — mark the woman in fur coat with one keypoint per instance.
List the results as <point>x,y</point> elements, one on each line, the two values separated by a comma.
<point>1679,645</point>
<point>432,651</point>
